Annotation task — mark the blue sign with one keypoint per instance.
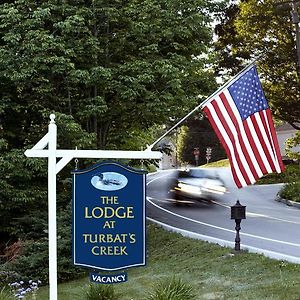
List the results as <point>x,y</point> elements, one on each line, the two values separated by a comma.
<point>109,217</point>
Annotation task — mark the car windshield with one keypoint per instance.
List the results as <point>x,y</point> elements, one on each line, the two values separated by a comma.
<point>196,173</point>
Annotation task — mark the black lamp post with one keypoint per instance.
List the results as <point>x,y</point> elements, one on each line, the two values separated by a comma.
<point>238,213</point>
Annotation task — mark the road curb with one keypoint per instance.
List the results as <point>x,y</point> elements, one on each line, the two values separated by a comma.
<point>287,202</point>
<point>228,244</point>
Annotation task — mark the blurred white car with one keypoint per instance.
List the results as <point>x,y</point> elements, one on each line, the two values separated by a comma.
<point>197,183</point>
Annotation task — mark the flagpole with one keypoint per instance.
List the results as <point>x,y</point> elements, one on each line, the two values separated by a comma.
<point>236,77</point>
<point>245,69</point>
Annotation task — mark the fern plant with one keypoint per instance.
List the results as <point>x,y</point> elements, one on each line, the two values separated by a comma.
<point>101,292</point>
<point>172,289</point>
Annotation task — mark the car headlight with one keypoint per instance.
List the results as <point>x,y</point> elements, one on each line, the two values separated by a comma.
<point>217,189</point>
<point>188,188</point>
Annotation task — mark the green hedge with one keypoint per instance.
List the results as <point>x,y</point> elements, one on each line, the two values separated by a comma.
<point>33,261</point>
<point>291,191</point>
<point>290,174</point>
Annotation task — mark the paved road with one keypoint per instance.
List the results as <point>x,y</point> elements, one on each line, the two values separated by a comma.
<point>270,227</point>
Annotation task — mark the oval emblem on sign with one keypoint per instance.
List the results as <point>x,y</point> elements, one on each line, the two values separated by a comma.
<point>109,181</point>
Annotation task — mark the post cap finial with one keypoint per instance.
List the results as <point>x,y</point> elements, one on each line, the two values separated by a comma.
<point>52,117</point>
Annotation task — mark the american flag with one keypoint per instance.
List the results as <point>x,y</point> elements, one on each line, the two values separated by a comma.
<point>242,120</point>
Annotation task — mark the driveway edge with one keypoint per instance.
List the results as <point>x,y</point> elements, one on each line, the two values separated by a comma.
<point>287,202</point>
<point>224,243</point>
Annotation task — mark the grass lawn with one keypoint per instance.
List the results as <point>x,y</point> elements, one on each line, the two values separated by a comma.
<point>217,164</point>
<point>214,272</point>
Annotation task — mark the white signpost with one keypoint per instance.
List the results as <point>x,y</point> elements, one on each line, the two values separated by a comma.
<point>54,168</point>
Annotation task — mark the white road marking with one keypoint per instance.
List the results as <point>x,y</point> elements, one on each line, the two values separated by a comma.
<point>224,243</point>
<point>250,214</point>
<point>170,200</point>
<point>214,226</point>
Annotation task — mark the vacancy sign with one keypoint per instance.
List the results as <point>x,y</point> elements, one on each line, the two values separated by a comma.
<point>109,217</point>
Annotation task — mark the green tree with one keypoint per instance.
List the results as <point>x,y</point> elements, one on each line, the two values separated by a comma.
<point>229,44</point>
<point>291,143</point>
<point>114,66</point>
<point>252,29</point>
<point>110,70</point>
<point>197,133</point>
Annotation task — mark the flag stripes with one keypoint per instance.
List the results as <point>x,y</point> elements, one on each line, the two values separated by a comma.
<point>250,144</point>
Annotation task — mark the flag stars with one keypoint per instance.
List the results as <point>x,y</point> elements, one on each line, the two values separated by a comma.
<point>250,102</point>
<point>247,94</point>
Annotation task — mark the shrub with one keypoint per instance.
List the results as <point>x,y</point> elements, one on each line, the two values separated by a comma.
<point>101,292</point>
<point>33,260</point>
<point>7,277</point>
<point>291,173</point>
<point>172,289</point>
<point>291,191</point>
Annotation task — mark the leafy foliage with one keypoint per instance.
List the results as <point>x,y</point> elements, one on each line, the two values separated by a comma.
<point>111,71</point>
<point>7,277</point>
<point>198,134</point>
<point>34,258</point>
<point>291,143</point>
<point>229,44</point>
<point>263,29</point>
<point>291,191</point>
<point>252,29</point>
<point>103,62</point>
<point>101,292</point>
<point>20,200</point>
<point>172,289</point>
<point>291,172</point>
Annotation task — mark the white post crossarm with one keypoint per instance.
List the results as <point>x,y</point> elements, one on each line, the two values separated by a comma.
<point>146,154</point>
<point>54,167</point>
